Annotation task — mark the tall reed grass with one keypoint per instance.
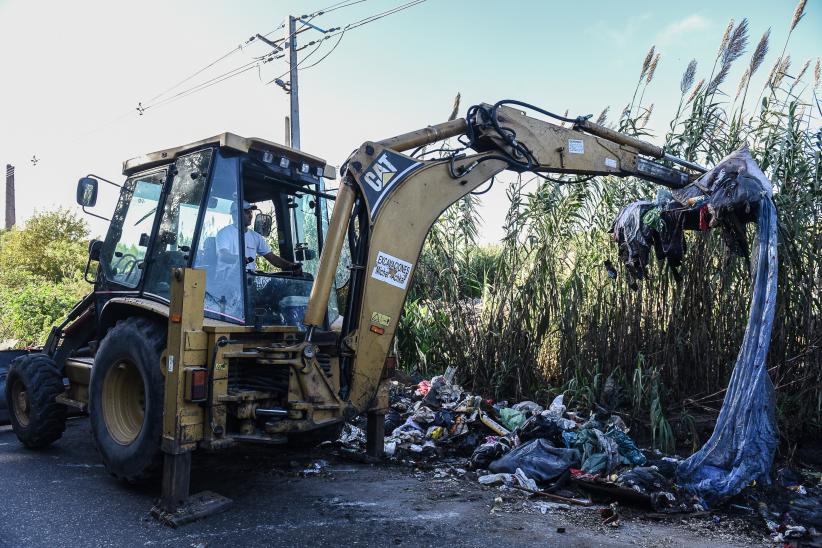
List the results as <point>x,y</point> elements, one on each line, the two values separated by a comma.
<point>539,314</point>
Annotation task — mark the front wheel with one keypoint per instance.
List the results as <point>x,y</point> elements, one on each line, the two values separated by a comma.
<point>32,384</point>
<point>126,399</point>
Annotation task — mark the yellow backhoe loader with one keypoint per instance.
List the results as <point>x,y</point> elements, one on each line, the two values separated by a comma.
<point>185,344</point>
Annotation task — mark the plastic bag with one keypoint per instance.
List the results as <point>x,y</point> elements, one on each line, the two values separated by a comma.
<point>545,425</point>
<point>538,459</point>
<point>487,453</point>
<point>511,418</point>
<point>528,408</point>
<point>557,406</point>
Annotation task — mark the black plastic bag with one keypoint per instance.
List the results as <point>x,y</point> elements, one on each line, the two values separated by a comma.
<point>542,426</point>
<point>538,459</point>
<point>487,453</point>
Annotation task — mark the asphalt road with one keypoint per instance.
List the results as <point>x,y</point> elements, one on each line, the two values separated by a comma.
<point>63,497</point>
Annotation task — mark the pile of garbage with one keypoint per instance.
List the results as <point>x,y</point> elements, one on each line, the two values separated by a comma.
<point>524,445</point>
<point>567,456</point>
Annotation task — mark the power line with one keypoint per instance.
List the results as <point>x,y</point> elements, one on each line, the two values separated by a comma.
<point>339,31</point>
<point>230,74</point>
<point>205,68</point>
<point>333,7</point>
<point>350,26</point>
<point>321,59</point>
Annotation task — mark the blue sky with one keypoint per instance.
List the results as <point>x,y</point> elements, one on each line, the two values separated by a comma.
<point>74,72</point>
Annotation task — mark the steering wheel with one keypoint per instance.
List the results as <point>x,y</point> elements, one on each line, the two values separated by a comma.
<point>130,262</point>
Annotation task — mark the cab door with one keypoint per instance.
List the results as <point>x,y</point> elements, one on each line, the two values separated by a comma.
<point>174,239</point>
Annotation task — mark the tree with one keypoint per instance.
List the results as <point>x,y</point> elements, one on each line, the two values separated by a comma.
<point>41,274</point>
<point>51,245</point>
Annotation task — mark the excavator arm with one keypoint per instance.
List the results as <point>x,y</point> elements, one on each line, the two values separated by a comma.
<point>388,202</point>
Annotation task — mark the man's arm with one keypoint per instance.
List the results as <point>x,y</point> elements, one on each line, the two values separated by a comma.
<point>281,263</point>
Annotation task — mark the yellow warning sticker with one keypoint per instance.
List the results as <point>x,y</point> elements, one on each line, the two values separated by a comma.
<point>380,319</point>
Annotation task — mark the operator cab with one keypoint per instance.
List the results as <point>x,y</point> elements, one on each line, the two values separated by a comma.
<point>183,207</point>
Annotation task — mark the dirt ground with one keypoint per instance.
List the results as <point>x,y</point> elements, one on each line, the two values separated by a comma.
<point>63,497</point>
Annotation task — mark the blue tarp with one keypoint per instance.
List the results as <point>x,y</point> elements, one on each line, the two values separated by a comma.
<point>741,448</point>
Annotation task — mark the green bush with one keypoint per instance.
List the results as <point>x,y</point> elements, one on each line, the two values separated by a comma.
<point>41,267</point>
<point>29,310</point>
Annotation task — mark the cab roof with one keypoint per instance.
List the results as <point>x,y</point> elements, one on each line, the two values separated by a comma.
<point>228,141</point>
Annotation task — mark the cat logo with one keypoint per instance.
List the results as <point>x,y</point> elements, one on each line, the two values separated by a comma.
<point>381,173</point>
<point>384,174</point>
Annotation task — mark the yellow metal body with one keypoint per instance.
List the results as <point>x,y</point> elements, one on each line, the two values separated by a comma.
<point>399,231</point>
<point>187,347</point>
<point>412,197</point>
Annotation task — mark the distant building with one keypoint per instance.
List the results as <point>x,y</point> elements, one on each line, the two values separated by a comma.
<point>10,215</point>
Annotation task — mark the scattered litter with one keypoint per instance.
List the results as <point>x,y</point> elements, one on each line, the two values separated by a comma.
<point>496,479</point>
<point>544,506</point>
<point>315,468</point>
<point>610,515</point>
<point>524,481</point>
<point>511,418</point>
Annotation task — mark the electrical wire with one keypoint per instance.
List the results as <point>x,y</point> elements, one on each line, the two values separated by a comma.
<point>307,18</point>
<point>266,58</point>
<point>321,59</point>
<point>338,7</point>
<point>350,26</point>
<point>205,68</point>
<point>204,85</point>
<point>333,7</point>
<point>386,13</point>
<point>256,63</point>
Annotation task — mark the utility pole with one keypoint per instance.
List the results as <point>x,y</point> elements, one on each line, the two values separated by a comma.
<point>10,214</point>
<point>293,89</point>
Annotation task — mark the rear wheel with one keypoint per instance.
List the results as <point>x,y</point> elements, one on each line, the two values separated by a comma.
<point>32,384</point>
<point>126,399</point>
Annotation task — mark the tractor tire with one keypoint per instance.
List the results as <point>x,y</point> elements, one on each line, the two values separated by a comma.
<point>32,384</point>
<point>126,399</point>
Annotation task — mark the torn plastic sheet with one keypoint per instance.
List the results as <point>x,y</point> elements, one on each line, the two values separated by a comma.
<point>742,446</point>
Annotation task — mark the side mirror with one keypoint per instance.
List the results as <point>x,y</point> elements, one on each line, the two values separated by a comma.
<point>262,224</point>
<point>87,192</point>
<point>94,248</point>
<point>303,253</point>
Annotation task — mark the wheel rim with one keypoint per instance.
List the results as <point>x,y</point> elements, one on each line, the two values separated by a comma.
<point>20,402</point>
<point>123,402</point>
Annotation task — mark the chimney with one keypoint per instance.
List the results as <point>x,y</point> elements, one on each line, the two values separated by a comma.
<point>10,219</point>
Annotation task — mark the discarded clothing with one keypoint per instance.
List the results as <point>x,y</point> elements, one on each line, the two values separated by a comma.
<point>600,453</point>
<point>628,451</point>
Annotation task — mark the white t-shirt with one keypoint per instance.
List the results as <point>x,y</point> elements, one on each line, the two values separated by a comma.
<point>228,242</point>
